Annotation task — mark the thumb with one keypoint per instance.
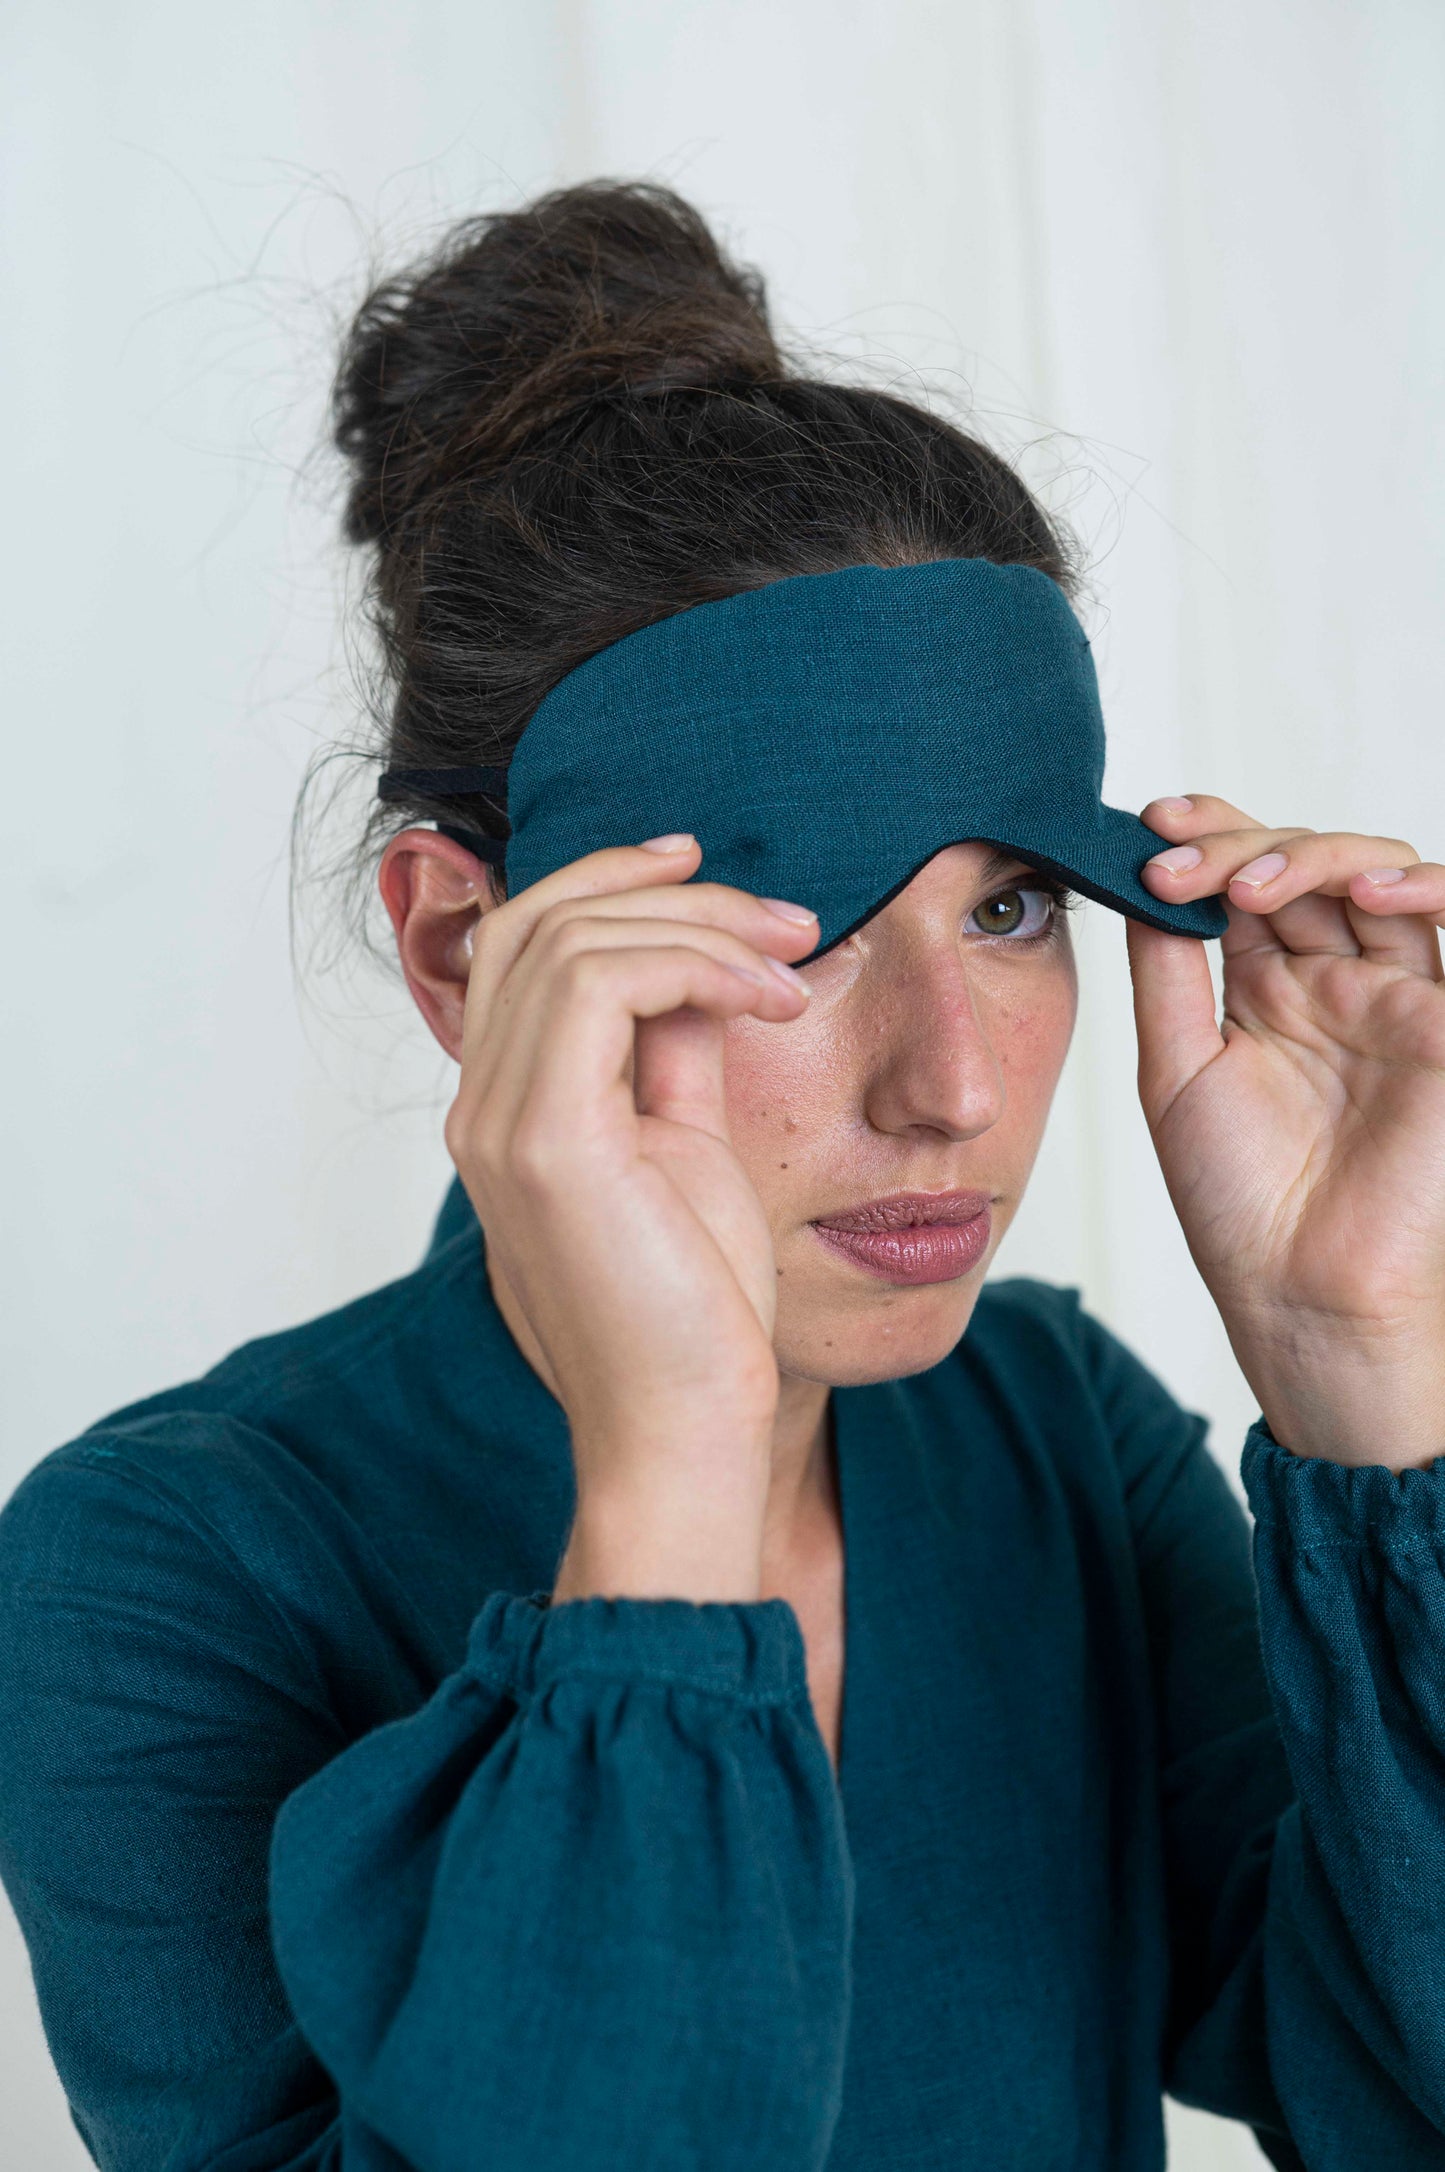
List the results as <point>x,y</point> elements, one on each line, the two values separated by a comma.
<point>1174,1013</point>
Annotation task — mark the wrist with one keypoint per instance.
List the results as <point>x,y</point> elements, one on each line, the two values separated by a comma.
<point>697,1542</point>
<point>1351,1396</point>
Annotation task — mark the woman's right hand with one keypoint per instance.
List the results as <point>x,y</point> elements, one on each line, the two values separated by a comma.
<point>590,1133</point>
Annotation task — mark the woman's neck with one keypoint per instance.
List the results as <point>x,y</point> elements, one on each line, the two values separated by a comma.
<point>801,1487</point>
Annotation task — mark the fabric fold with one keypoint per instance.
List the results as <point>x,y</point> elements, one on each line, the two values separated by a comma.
<point>607,1856</point>
<point>753,1651</point>
<point>1315,1502</point>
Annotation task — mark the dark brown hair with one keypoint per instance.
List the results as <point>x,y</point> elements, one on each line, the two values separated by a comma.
<point>574,419</point>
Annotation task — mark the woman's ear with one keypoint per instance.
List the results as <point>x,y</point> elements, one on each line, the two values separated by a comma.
<point>435,892</point>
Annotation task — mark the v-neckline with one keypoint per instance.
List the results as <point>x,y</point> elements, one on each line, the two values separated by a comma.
<point>862,1417</point>
<point>844,1476</point>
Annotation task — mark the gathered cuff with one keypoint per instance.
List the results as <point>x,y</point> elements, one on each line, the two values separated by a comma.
<point>1317,1502</point>
<point>749,1650</point>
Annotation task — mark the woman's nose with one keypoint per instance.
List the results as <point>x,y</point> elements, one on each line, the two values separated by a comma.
<point>933,1066</point>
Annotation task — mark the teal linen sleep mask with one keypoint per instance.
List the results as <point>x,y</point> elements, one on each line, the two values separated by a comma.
<point>825,735</point>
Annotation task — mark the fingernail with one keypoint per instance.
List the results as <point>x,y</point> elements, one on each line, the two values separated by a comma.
<point>1262,870</point>
<point>1176,806</point>
<point>786,973</point>
<point>1177,858</point>
<point>674,841</point>
<point>1384,874</point>
<point>800,914</point>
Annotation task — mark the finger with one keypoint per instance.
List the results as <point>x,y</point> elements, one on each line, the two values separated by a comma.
<point>497,1079</point>
<point>771,924</point>
<point>1202,865</point>
<point>1393,923</point>
<point>505,930</point>
<point>1194,814</point>
<point>571,1097</point>
<point>1398,922</point>
<point>774,926</point>
<point>1284,881</point>
<point>536,982</point>
<point>1185,868</point>
<point>1294,895</point>
<point>1175,1017</point>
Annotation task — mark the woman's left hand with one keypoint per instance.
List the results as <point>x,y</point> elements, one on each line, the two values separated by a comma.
<point>1302,1139</point>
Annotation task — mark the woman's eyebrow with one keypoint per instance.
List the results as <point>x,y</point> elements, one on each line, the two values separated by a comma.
<point>999,861</point>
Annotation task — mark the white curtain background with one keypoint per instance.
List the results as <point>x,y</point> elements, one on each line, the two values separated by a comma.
<point>1183,258</point>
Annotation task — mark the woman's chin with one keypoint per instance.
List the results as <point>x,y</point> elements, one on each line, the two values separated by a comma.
<point>851,1346</point>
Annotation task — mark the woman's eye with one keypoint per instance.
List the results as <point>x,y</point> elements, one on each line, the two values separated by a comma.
<point>1022,914</point>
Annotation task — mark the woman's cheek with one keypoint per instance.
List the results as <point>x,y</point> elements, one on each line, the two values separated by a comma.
<point>1031,1035</point>
<point>783,1105</point>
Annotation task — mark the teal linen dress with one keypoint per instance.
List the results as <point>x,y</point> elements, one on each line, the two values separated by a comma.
<point>337,1847</point>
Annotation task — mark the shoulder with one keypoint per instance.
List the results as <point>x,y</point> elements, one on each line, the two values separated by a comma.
<point>124,1542</point>
<point>1030,1321</point>
<point>1034,1332</point>
<point>352,1486</point>
<point>270,1380</point>
<point>1082,1382</point>
<point>1025,1367</point>
<point>240,1473</point>
<point>206,1540</point>
<point>283,1400</point>
<point>251,1415</point>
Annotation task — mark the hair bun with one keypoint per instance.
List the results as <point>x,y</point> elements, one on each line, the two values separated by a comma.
<point>522,318</point>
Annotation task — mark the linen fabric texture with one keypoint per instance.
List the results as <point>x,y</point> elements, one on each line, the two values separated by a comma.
<point>825,735</point>
<point>339,1849</point>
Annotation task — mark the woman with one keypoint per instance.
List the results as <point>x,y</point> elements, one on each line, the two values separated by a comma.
<point>430,1740</point>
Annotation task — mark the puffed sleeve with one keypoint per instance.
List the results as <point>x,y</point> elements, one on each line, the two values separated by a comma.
<point>1301,1681</point>
<point>590,1907</point>
<point>1350,1566</point>
<point>589,1904</point>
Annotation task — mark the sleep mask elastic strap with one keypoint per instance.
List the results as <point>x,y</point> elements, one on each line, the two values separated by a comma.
<point>441,783</point>
<point>490,783</point>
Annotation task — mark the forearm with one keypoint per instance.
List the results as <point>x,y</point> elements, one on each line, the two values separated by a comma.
<point>701,1540</point>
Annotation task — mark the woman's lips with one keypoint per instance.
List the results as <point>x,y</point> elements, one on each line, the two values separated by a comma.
<point>912,1237</point>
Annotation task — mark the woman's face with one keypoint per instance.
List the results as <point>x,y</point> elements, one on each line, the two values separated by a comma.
<point>926,1062</point>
